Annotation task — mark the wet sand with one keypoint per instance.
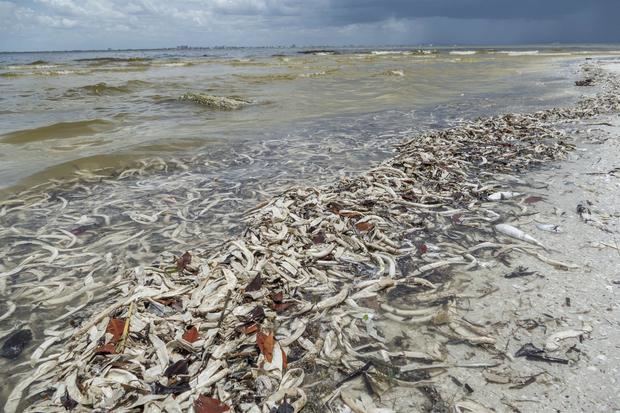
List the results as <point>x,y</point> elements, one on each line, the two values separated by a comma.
<point>530,309</point>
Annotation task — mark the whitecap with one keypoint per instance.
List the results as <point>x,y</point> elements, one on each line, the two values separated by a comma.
<point>463,52</point>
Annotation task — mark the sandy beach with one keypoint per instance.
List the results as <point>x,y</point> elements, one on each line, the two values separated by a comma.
<point>476,271</point>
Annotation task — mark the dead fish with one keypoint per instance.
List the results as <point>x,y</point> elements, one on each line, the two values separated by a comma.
<point>549,228</point>
<point>516,233</point>
<point>500,196</point>
<point>15,344</point>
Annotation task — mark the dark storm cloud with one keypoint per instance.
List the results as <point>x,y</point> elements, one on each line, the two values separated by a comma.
<point>45,24</point>
<point>356,11</point>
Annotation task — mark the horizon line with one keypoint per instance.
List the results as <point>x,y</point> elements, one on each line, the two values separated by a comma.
<point>293,46</point>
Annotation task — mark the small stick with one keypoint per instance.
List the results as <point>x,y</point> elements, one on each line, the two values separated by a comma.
<point>355,374</point>
<point>121,344</point>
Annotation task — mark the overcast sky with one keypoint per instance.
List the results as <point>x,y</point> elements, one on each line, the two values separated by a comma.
<point>97,24</point>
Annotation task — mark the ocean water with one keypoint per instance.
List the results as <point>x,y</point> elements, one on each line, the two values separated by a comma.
<point>73,110</point>
<point>109,159</point>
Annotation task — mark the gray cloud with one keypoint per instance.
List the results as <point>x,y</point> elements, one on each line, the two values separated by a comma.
<point>68,24</point>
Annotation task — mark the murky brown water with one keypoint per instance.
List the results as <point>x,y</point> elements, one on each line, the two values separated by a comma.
<point>67,107</point>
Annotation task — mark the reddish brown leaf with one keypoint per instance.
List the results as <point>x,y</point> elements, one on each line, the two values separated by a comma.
<point>277,297</point>
<point>254,285</point>
<point>533,199</point>
<point>204,404</point>
<point>115,327</point>
<point>184,261</point>
<point>422,248</point>
<point>265,344</point>
<point>280,307</point>
<point>191,334</point>
<point>349,214</point>
<point>109,348</point>
<point>175,303</point>
<point>284,362</point>
<point>364,226</point>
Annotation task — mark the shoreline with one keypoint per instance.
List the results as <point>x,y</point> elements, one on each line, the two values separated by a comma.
<point>369,231</point>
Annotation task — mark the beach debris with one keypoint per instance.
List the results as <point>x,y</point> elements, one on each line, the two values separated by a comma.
<point>531,352</point>
<point>549,227</point>
<point>520,271</point>
<point>516,233</point>
<point>15,344</point>
<point>586,215</point>
<point>553,341</point>
<point>585,82</point>
<point>67,402</point>
<point>521,382</point>
<point>465,406</point>
<point>495,377</point>
<point>284,407</point>
<point>191,334</point>
<point>205,404</point>
<point>532,199</point>
<point>184,261</point>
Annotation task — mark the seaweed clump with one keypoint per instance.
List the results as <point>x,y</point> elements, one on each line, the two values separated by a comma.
<point>215,102</point>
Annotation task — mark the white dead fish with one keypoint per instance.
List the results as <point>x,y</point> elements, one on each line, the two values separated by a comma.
<point>500,196</point>
<point>516,233</point>
<point>549,227</point>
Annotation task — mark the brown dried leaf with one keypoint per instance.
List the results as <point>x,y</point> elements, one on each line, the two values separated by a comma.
<point>180,367</point>
<point>254,285</point>
<point>277,297</point>
<point>265,344</point>
<point>319,238</point>
<point>115,327</point>
<point>257,315</point>
<point>349,214</point>
<point>364,226</point>
<point>184,261</point>
<point>204,404</point>
<point>280,307</point>
<point>191,334</point>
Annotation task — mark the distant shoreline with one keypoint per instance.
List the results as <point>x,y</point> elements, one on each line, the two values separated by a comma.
<point>585,46</point>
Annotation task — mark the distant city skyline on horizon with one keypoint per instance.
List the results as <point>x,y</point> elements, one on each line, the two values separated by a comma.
<point>327,47</point>
<point>63,25</point>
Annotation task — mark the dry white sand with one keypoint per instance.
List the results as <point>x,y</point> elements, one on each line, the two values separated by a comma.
<point>532,308</point>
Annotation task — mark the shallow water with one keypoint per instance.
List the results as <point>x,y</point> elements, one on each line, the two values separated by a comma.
<point>178,175</point>
<point>59,108</point>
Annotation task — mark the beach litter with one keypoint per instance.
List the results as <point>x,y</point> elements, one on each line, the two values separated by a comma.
<point>285,317</point>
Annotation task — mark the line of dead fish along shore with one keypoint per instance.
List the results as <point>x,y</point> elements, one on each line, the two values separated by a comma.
<point>270,321</point>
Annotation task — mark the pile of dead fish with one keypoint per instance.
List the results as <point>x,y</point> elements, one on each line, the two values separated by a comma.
<point>282,317</point>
